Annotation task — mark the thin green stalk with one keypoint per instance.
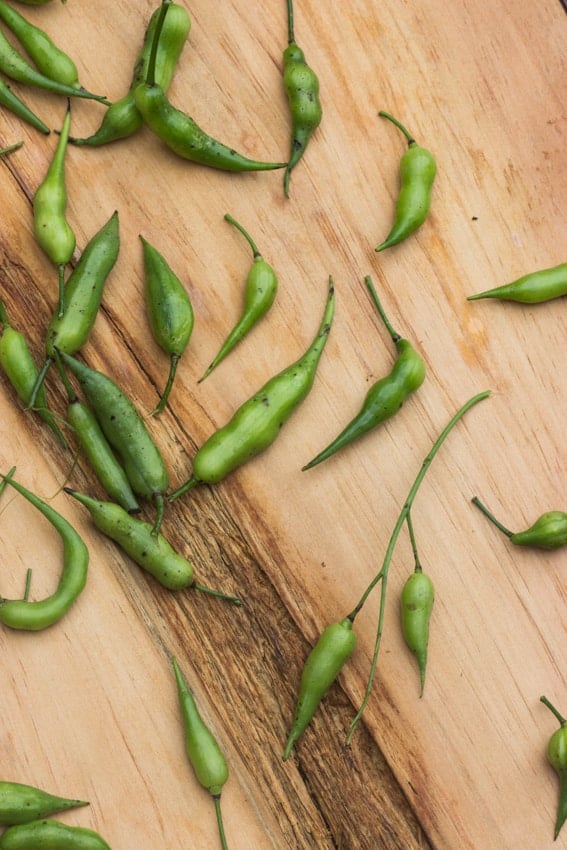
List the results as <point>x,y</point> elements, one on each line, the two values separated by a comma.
<point>218,593</point>
<point>562,721</point>
<point>394,334</point>
<point>476,501</point>
<point>11,148</point>
<point>290,33</point>
<point>413,541</point>
<point>220,823</point>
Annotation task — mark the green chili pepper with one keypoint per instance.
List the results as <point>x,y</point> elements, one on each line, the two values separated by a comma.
<point>257,423</point>
<point>51,228</point>
<point>261,288</point>
<point>547,532</point>
<point>202,749</point>
<point>51,835</point>
<point>417,173</point>
<point>122,119</point>
<point>19,367</point>
<point>23,803</point>
<point>126,432</point>
<point>169,310</point>
<point>17,106</point>
<point>416,604</point>
<point>386,396</point>
<point>557,757</point>
<point>33,616</point>
<point>178,131</point>
<point>533,288</point>
<point>302,87</point>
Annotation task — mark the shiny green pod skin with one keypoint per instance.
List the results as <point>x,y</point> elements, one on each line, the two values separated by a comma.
<point>259,294</point>
<point>533,288</point>
<point>34,616</point>
<point>417,174</point>
<point>549,531</point>
<point>16,105</point>
<point>51,835</point>
<point>416,604</point>
<point>324,663</point>
<point>557,757</point>
<point>257,423</point>
<point>169,311</point>
<point>21,803</point>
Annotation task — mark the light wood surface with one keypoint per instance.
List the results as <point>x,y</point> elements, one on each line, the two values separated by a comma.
<point>89,707</point>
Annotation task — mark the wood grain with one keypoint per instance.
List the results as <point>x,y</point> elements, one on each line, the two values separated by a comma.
<point>89,707</point>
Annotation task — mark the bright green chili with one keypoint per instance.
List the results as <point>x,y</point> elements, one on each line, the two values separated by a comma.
<point>302,87</point>
<point>17,106</point>
<point>33,616</point>
<point>202,749</point>
<point>417,173</point>
<point>259,294</point>
<point>51,835</point>
<point>21,803</point>
<point>533,288</point>
<point>549,531</point>
<point>169,310</point>
<point>416,604</point>
<point>557,757</point>
<point>180,132</point>
<point>51,228</point>
<point>257,423</point>
<point>386,396</point>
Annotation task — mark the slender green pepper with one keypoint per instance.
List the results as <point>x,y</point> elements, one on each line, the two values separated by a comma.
<point>33,616</point>
<point>416,604</point>
<point>302,87</point>
<point>17,106</point>
<point>257,423</point>
<point>21,803</point>
<point>180,132</point>
<point>170,312</point>
<point>533,288</point>
<point>557,757</point>
<point>202,749</point>
<point>51,835</point>
<point>549,531</point>
<point>417,173</point>
<point>122,119</point>
<point>51,228</point>
<point>386,396</point>
<point>259,294</point>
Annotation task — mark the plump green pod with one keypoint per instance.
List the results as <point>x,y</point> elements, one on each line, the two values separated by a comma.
<point>417,174</point>
<point>169,311</point>
<point>302,88</point>
<point>324,663</point>
<point>51,835</point>
<point>21,803</point>
<point>256,424</point>
<point>533,288</point>
<point>34,616</point>
<point>17,106</point>
<point>549,531</point>
<point>416,604</point>
<point>557,757</point>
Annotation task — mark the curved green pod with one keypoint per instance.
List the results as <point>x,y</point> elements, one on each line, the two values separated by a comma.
<point>20,803</point>
<point>534,288</point>
<point>51,835</point>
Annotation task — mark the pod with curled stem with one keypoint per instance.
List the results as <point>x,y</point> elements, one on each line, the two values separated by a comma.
<point>549,531</point>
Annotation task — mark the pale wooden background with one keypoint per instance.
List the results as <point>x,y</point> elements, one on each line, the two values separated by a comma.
<point>89,707</point>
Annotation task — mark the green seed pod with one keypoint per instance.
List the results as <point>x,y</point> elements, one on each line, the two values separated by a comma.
<point>416,606</point>
<point>21,803</point>
<point>557,757</point>
<point>533,288</point>
<point>547,532</point>
<point>51,835</point>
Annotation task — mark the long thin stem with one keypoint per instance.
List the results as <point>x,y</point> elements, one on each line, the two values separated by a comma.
<point>220,823</point>
<point>218,593</point>
<point>413,541</point>
<point>399,125</point>
<point>560,718</point>
<point>11,148</point>
<point>245,233</point>
<point>476,501</point>
<point>290,33</point>
<point>394,334</point>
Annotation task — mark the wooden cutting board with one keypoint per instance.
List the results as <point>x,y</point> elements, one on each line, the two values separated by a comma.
<point>89,707</point>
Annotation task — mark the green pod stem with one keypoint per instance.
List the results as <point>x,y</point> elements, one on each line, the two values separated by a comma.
<point>51,228</point>
<point>11,148</point>
<point>51,835</point>
<point>122,119</point>
<point>533,288</point>
<point>21,803</point>
<point>549,531</point>
<point>386,396</point>
<point>416,604</point>
<point>179,131</point>
<point>259,294</point>
<point>324,663</point>
<point>169,311</point>
<point>557,757</point>
<point>204,754</point>
<point>14,104</point>
<point>257,423</point>
<point>417,174</point>
<point>34,616</point>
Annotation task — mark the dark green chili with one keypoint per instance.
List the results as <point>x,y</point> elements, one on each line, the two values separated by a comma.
<point>178,131</point>
<point>302,87</point>
<point>417,173</point>
<point>51,228</point>
<point>416,603</point>
<point>257,423</point>
<point>386,396</point>
<point>122,119</point>
<point>557,757</point>
<point>534,288</point>
<point>17,106</point>
<point>259,294</point>
<point>51,835</point>
<point>549,531</point>
<point>21,803</point>
<point>202,749</point>
<point>33,616</point>
<point>170,312</point>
